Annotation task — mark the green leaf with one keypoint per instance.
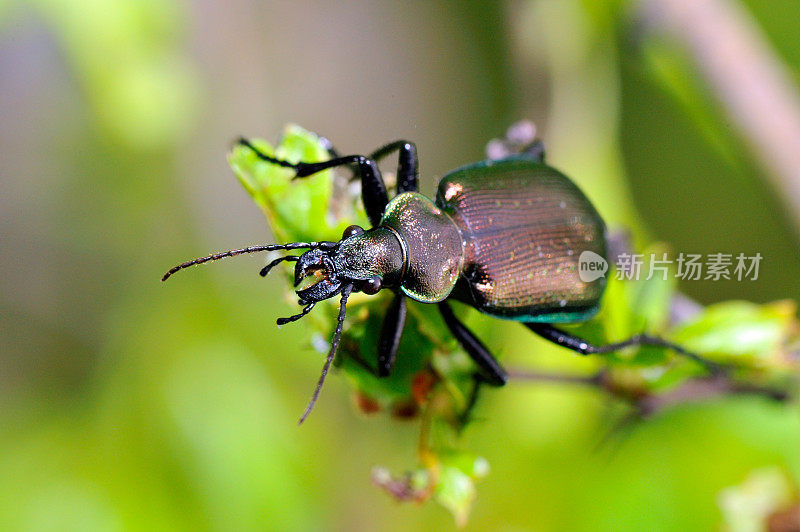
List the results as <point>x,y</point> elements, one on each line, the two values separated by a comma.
<point>741,332</point>
<point>455,489</point>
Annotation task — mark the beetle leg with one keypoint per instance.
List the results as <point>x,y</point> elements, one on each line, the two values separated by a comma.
<point>492,372</point>
<point>520,140</point>
<point>535,151</point>
<point>373,190</point>
<point>391,331</point>
<point>557,336</point>
<point>478,380</point>
<point>407,163</point>
<point>389,340</point>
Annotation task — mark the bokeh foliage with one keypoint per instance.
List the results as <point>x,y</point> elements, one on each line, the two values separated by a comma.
<point>125,404</point>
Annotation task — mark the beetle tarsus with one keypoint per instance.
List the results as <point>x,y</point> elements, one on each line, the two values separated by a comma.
<point>465,415</point>
<point>373,189</point>
<point>263,156</point>
<point>266,269</point>
<point>520,140</point>
<point>646,339</point>
<point>306,310</point>
<point>581,346</point>
<point>535,151</point>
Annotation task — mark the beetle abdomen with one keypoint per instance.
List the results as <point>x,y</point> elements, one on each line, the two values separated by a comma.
<point>525,226</point>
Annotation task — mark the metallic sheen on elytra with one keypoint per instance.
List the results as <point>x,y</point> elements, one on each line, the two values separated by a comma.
<point>525,225</point>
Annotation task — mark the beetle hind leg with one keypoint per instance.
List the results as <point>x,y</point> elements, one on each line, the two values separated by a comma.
<point>579,345</point>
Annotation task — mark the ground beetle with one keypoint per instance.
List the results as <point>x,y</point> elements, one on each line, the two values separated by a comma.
<point>503,236</point>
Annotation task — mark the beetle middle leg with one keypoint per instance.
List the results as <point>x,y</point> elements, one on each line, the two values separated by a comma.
<point>579,345</point>
<point>491,371</point>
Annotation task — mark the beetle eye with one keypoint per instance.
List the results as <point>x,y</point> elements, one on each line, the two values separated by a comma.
<point>351,231</point>
<point>372,285</point>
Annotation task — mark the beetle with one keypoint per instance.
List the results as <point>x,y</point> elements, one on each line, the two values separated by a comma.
<point>503,236</point>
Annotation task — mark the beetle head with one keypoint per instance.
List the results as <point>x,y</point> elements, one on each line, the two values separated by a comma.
<point>325,270</point>
<point>366,260</point>
<point>315,275</point>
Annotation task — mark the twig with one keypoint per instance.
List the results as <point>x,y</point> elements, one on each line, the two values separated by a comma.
<point>705,389</point>
<point>540,376</point>
<point>647,403</point>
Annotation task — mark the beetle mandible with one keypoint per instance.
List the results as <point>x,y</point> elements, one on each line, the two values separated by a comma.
<point>503,236</point>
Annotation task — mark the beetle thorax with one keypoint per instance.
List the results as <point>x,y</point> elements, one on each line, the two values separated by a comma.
<point>376,252</point>
<point>433,245</point>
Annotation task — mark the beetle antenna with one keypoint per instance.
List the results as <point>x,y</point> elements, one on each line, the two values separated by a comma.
<point>306,310</point>
<point>233,252</point>
<point>265,270</point>
<point>337,334</point>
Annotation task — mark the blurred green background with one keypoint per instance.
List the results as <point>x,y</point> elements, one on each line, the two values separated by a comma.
<point>128,404</point>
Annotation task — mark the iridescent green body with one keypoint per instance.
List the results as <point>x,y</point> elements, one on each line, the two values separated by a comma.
<point>502,236</point>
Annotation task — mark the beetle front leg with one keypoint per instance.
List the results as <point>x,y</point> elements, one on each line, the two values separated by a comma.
<point>407,163</point>
<point>373,189</point>
<point>389,340</point>
<point>579,345</point>
<point>391,331</point>
<point>492,373</point>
